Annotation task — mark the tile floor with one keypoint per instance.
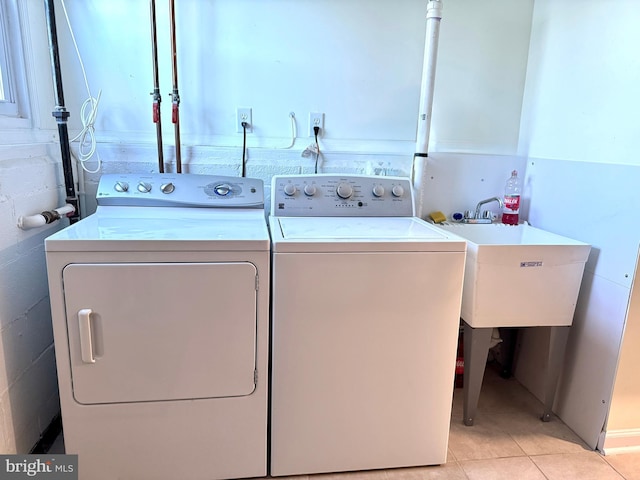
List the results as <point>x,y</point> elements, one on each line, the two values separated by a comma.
<point>508,441</point>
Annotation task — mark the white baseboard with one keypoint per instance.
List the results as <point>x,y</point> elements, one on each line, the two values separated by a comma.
<point>621,441</point>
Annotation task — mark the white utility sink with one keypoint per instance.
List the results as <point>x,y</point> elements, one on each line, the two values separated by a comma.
<point>519,275</point>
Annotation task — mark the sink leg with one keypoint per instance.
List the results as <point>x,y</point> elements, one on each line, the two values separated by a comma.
<point>558,337</point>
<point>476,349</point>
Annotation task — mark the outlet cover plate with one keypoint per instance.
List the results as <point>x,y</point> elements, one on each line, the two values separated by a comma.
<point>243,114</point>
<point>316,119</point>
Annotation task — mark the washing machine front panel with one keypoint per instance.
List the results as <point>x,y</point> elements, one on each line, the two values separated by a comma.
<point>363,353</point>
<point>141,332</point>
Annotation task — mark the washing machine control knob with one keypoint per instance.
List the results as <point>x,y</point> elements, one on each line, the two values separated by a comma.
<point>290,189</point>
<point>121,187</point>
<point>222,189</point>
<point>344,190</point>
<point>144,187</point>
<point>378,191</point>
<point>167,187</point>
<point>397,190</point>
<point>309,190</point>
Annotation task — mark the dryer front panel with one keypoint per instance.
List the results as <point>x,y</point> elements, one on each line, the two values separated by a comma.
<point>143,332</point>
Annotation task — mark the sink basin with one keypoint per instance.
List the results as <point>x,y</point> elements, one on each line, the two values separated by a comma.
<point>519,275</point>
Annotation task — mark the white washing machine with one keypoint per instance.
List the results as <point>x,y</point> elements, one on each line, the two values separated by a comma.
<point>160,305</point>
<point>365,317</point>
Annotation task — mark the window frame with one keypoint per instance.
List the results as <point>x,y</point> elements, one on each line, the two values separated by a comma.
<point>14,110</point>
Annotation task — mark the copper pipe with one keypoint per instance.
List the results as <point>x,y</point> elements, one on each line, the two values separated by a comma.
<point>175,97</point>
<point>157,98</point>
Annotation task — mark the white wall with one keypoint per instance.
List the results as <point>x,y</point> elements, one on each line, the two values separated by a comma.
<point>582,82</point>
<point>28,387</point>
<point>456,182</point>
<point>480,77</point>
<point>30,182</point>
<point>580,134</point>
<point>623,424</point>
<point>359,62</point>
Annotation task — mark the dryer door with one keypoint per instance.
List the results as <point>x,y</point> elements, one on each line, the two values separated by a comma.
<point>161,331</point>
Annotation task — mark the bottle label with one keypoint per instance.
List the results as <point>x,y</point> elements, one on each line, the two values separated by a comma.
<point>511,203</point>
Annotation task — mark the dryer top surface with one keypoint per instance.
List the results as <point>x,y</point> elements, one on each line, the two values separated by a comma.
<point>158,228</point>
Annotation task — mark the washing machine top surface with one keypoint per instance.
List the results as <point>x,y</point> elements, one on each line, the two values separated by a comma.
<point>158,212</point>
<point>313,213</point>
<point>347,228</point>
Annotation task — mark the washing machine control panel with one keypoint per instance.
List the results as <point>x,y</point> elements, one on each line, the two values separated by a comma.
<point>328,195</point>
<point>179,190</point>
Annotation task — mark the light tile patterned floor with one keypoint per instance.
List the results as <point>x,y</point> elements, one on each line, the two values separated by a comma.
<point>508,441</point>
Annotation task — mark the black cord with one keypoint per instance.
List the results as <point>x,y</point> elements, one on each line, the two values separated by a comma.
<point>316,130</point>
<point>244,148</point>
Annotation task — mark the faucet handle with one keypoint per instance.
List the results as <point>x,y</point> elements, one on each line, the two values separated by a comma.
<point>469,214</point>
<point>489,215</point>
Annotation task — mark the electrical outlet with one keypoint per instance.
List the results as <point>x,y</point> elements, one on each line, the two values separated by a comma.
<point>315,120</point>
<point>243,115</point>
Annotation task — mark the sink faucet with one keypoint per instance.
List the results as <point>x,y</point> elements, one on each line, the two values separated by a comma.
<point>484,202</point>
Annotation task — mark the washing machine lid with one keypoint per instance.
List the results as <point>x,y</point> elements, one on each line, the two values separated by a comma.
<point>115,228</point>
<point>312,234</point>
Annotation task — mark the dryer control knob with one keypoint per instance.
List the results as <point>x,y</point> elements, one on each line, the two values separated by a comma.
<point>121,187</point>
<point>378,191</point>
<point>290,189</point>
<point>344,190</point>
<point>144,187</point>
<point>309,190</point>
<point>167,187</point>
<point>397,191</point>
<point>222,189</point>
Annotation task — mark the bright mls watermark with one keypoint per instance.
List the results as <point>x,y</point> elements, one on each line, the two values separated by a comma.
<point>49,467</point>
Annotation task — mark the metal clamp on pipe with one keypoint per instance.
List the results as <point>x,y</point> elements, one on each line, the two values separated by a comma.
<point>61,114</point>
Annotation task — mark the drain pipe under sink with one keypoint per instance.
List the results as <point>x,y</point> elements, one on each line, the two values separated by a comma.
<point>418,172</point>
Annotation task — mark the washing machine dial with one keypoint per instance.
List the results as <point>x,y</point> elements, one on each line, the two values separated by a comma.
<point>121,187</point>
<point>378,191</point>
<point>397,191</point>
<point>144,187</point>
<point>167,187</point>
<point>344,190</point>
<point>309,190</point>
<point>290,189</point>
<point>222,189</point>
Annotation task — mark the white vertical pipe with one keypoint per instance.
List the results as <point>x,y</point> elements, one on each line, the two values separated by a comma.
<point>434,15</point>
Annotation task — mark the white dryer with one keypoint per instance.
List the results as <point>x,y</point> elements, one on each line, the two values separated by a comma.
<point>365,318</point>
<point>160,316</point>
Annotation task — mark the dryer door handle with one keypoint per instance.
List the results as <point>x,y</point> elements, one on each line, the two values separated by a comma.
<point>86,346</point>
